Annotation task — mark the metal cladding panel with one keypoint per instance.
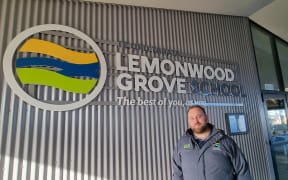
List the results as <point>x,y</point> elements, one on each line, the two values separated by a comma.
<point>104,140</point>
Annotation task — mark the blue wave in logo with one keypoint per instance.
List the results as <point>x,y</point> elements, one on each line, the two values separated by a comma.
<point>64,68</point>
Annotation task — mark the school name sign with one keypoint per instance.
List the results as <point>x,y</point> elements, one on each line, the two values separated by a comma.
<point>140,73</point>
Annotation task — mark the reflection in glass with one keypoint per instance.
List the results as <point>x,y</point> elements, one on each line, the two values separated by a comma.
<point>265,59</point>
<point>233,124</point>
<point>242,124</point>
<point>279,140</point>
<point>277,117</point>
<point>282,49</point>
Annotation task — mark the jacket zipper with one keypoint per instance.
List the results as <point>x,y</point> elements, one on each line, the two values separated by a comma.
<point>204,174</point>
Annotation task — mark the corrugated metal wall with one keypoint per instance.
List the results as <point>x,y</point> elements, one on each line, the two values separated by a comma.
<point>108,141</point>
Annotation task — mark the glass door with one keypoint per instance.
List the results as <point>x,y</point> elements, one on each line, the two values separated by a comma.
<point>276,112</point>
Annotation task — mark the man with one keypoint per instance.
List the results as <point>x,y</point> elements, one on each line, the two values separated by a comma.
<point>205,153</point>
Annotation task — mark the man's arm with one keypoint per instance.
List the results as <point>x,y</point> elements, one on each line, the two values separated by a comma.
<point>176,165</point>
<point>239,162</point>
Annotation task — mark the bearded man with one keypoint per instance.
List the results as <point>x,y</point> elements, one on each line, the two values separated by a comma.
<point>206,153</point>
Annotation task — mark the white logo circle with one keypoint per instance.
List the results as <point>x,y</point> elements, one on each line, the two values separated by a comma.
<point>9,73</point>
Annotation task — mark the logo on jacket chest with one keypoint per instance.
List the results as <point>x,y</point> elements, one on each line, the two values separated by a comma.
<point>216,146</point>
<point>187,146</point>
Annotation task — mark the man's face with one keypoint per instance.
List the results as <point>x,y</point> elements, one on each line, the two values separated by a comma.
<point>197,120</point>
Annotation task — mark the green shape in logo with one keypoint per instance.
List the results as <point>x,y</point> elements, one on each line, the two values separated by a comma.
<point>187,146</point>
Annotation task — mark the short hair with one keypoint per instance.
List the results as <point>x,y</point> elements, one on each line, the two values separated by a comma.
<point>196,106</point>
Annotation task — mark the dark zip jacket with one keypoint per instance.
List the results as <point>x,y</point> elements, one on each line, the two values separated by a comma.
<point>219,158</point>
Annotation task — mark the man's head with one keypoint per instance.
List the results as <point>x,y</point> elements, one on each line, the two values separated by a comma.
<point>197,119</point>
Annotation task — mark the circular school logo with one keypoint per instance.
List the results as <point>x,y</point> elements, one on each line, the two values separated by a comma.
<point>54,67</point>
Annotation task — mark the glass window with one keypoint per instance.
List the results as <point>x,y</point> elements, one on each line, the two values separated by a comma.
<point>282,49</point>
<point>265,59</point>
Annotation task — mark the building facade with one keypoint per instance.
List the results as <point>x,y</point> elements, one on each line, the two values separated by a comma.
<point>150,65</point>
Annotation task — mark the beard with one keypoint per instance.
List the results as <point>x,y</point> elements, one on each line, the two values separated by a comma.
<point>199,128</point>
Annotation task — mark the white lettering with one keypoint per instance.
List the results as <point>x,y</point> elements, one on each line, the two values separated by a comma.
<point>118,60</point>
<point>229,74</point>
<point>207,74</point>
<point>152,68</point>
<point>128,84</point>
<point>133,63</point>
<point>195,71</point>
<point>167,70</point>
<point>181,86</point>
<point>152,86</point>
<point>140,81</point>
<point>183,68</point>
<point>137,63</point>
<point>170,86</point>
<point>219,74</point>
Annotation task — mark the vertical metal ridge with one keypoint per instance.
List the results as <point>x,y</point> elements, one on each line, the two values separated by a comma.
<point>3,21</point>
<point>17,136</point>
<point>7,162</point>
<point>7,132</point>
<point>3,111</point>
<point>93,144</point>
